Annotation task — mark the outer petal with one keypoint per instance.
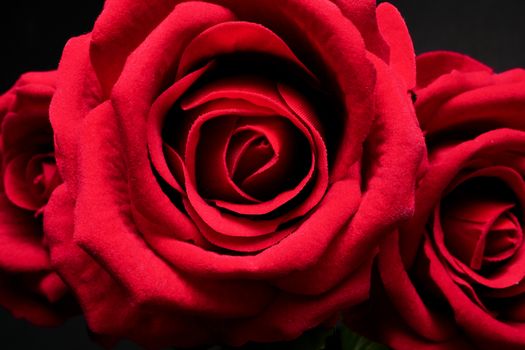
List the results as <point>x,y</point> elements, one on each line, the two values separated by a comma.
<point>469,102</point>
<point>363,14</point>
<point>432,65</point>
<point>394,30</point>
<point>476,108</point>
<point>77,93</point>
<point>118,31</point>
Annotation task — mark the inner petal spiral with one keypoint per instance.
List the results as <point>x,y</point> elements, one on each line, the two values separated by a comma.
<point>260,157</point>
<point>246,154</point>
<point>480,223</point>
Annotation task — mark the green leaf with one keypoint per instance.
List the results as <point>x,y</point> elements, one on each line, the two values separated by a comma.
<point>353,341</point>
<point>312,340</point>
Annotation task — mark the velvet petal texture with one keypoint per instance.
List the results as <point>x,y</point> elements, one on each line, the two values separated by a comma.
<point>29,288</point>
<point>226,176</point>
<point>452,277</point>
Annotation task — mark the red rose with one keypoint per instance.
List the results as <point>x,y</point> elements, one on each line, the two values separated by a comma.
<point>455,277</point>
<point>28,286</point>
<point>230,166</point>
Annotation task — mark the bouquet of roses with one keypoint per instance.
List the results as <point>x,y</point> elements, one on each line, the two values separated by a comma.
<point>265,174</point>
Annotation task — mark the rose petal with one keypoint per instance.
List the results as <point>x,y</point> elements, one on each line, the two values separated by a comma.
<point>120,28</point>
<point>27,132</point>
<point>20,244</point>
<point>432,65</point>
<point>339,203</point>
<point>77,93</point>
<point>156,120</point>
<point>395,32</point>
<point>232,37</point>
<point>477,107</point>
<point>363,14</point>
<point>17,187</point>
<point>242,241</point>
<point>444,88</point>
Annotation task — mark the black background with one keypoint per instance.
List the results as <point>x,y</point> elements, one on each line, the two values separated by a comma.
<point>33,33</point>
